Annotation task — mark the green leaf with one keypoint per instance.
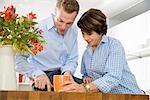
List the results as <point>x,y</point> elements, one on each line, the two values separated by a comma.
<point>16,49</point>
<point>28,49</point>
<point>43,42</point>
<point>1,19</point>
<point>34,23</point>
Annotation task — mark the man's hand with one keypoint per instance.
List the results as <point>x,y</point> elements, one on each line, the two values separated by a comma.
<point>41,81</point>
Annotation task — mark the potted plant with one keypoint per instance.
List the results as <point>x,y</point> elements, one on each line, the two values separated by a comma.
<point>18,34</point>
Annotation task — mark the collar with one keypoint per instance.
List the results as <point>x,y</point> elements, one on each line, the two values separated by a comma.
<point>103,40</point>
<point>50,22</point>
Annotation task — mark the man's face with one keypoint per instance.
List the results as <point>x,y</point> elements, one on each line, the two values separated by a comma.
<point>63,20</point>
<point>93,39</point>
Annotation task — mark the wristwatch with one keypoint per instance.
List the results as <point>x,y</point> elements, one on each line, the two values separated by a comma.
<point>87,87</point>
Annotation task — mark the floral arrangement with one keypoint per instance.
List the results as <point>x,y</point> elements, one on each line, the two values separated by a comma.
<point>20,32</point>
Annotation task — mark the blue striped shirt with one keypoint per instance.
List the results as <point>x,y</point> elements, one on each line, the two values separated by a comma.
<point>108,67</point>
<point>59,52</point>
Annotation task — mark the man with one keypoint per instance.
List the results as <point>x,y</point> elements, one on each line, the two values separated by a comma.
<point>60,54</point>
<point>104,65</point>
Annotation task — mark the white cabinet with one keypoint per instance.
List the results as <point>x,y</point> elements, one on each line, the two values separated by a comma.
<point>145,52</point>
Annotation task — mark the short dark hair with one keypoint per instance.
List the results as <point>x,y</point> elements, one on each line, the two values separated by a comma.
<point>69,6</point>
<point>93,20</point>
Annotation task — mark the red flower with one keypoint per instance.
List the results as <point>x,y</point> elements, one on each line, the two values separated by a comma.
<point>40,31</point>
<point>32,27</point>
<point>1,13</point>
<point>37,48</point>
<point>31,16</point>
<point>10,13</point>
<point>33,41</point>
<point>2,34</point>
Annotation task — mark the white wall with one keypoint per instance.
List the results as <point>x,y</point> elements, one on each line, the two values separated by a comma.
<point>42,8</point>
<point>134,32</point>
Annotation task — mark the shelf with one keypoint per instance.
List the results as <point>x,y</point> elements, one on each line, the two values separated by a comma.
<point>145,52</point>
<point>24,83</point>
<point>24,86</point>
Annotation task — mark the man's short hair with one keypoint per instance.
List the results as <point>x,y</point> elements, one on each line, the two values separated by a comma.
<point>69,6</point>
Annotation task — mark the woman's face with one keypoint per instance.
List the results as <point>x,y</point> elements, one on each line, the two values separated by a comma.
<point>93,39</point>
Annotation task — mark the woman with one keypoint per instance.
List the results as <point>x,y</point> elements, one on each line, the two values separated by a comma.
<point>104,65</point>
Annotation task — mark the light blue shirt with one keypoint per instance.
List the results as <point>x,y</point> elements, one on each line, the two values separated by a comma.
<point>59,52</point>
<point>108,67</point>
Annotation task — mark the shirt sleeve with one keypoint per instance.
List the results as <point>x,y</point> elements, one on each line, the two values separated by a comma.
<point>113,69</point>
<point>23,63</point>
<point>83,69</point>
<point>72,60</point>
<point>24,67</point>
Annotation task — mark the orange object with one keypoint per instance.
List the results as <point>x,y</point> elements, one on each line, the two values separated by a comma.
<point>58,80</point>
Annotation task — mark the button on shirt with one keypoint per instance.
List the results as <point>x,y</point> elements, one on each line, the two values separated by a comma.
<point>59,52</point>
<point>108,67</point>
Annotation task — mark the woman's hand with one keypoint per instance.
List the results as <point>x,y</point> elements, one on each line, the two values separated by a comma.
<point>87,80</point>
<point>67,73</point>
<point>71,86</point>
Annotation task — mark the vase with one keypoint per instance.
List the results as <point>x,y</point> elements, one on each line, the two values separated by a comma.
<point>8,79</point>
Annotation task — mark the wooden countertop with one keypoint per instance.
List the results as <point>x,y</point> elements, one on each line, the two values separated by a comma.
<point>40,95</point>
